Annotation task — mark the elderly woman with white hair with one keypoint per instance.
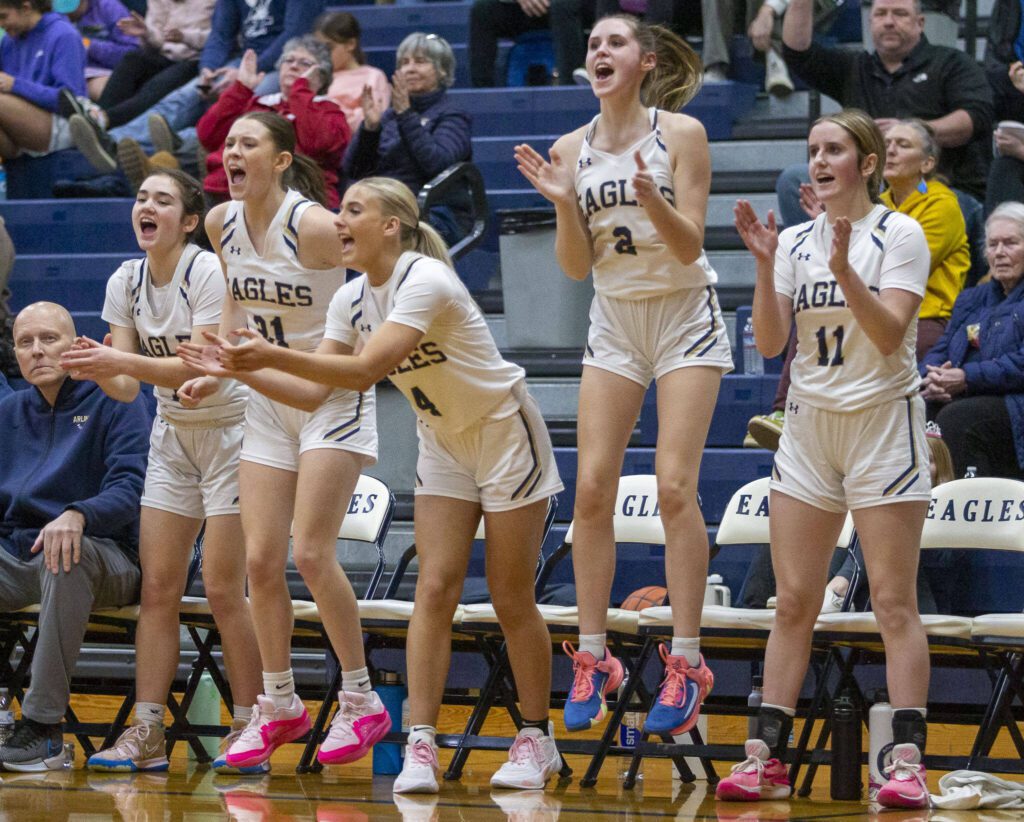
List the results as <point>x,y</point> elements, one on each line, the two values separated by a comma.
<point>421,134</point>
<point>974,376</point>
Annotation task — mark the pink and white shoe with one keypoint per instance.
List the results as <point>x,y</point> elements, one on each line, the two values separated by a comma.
<point>360,721</point>
<point>420,769</point>
<point>268,729</point>
<point>756,777</point>
<point>908,780</point>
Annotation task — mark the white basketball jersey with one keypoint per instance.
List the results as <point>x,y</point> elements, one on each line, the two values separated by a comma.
<point>455,376</point>
<point>284,301</point>
<point>166,316</point>
<point>837,367</point>
<point>631,261</point>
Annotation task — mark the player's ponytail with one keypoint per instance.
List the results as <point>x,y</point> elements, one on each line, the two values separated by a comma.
<point>397,200</point>
<point>678,71</point>
<point>304,175</point>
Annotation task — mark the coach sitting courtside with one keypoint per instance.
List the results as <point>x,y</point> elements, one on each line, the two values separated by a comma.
<point>72,465</point>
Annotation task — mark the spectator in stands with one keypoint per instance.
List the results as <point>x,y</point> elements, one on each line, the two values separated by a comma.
<point>238,25</point>
<point>974,376</point>
<point>912,155</point>
<point>41,54</point>
<point>321,130</point>
<point>905,77</point>
<point>171,35</point>
<point>764,28</point>
<point>70,483</point>
<point>421,134</point>
<point>1003,49</point>
<point>105,40</point>
<point>341,32</point>
<point>941,21</point>
<point>491,20</point>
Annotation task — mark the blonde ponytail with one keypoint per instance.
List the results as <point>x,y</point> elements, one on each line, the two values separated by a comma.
<point>429,243</point>
<point>397,200</point>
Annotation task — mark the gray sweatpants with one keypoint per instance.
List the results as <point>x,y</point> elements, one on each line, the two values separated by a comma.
<point>104,578</point>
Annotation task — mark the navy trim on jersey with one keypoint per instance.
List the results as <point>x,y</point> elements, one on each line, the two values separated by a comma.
<point>801,237</point>
<point>136,292</point>
<point>355,302</point>
<point>711,332</point>
<point>589,350</point>
<point>879,230</point>
<point>776,474</point>
<point>225,240</point>
<point>419,482</point>
<point>406,274</point>
<point>345,429</point>
<point>183,290</point>
<point>228,224</point>
<point>535,471</point>
<point>291,232</point>
<point>891,489</point>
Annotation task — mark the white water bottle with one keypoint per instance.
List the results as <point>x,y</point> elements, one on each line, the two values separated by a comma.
<point>753,362</point>
<point>879,743</point>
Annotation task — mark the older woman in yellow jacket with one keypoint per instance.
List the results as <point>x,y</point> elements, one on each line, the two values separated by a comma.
<point>911,154</point>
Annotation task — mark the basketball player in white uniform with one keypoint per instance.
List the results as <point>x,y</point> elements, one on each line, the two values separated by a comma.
<point>854,439</point>
<point>171,295</point>
<point>280,251</point>
<point>630,193</point>
<point>483,446</point>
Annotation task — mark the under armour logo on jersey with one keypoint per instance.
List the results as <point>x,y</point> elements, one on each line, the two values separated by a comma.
<point>234,249</point>
<point>803,256</point>
<point>793,408</point>
<point>584,161</point>
<point>365,327</point>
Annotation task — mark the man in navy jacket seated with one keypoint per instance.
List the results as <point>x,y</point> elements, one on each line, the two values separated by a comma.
<point>72,466</point>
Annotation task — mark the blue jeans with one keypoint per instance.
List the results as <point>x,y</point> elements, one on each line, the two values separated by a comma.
<point>787,189</point>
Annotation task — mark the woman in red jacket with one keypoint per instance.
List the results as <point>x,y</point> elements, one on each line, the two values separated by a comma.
<point>321,129</point>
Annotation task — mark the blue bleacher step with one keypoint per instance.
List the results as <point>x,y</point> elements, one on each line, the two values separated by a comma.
<point>84,226</point>
<point>77,282</point>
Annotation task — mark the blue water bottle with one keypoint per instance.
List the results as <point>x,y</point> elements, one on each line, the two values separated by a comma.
<point>388,756</point>
<point>3,182</point>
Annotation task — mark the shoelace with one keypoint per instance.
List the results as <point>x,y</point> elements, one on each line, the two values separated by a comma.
<point>252,730</point>
<point>26,735</point>
<point>901,769</point>
<point>133,735</point>
<point>422,753</point>
<point>524,749</point>
<point>582,673</point>
<point>745,766</point>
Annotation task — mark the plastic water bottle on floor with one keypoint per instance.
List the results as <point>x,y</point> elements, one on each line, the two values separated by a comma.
<point>753,362</point>
<point>205,710</point>
<point>6,716</point>
<point>630,731</point>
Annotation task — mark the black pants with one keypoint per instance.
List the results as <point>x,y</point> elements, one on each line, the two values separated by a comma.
<point>490,20</point>
<point>140,81</point>
<point>979,433</point>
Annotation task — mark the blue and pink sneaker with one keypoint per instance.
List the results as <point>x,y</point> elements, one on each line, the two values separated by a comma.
<point>682,692</point>
<point>591,682</point>
<point>268,729</point>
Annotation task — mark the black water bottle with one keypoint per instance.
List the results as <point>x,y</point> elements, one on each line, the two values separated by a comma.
<point>846,744</point>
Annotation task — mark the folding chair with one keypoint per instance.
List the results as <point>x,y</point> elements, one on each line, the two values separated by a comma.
<point>974,514</point>
<point>726,632</point>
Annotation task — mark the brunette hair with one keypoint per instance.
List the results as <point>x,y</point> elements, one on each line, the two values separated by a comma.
<point>304,175</point>
<point>340,26</point>
<point>193,201</point>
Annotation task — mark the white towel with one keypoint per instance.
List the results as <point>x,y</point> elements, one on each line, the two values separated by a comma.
<point>967,790</point>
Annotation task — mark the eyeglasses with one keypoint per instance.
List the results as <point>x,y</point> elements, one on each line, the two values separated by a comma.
<point>298,61</point>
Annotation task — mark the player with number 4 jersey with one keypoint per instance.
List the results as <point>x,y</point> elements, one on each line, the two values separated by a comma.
<point>852,280</point>
<point>630,192</point>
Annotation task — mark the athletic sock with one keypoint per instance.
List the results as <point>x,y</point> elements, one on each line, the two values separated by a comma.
<point>422,733</point>
<point>593,644</point>
<point>280,687</point>
<point>774,724</point>
<point>537,727</point>
<point>356,682</point>
<point>241,714</point>
<point>688,647</point>
<point>908,725</point>
<point>150,713</point>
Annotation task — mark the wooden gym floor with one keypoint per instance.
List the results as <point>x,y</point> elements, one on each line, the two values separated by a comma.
<point>352,794</point>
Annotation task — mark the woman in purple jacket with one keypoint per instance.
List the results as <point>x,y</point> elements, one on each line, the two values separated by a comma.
<point>105,43</point>
<point>41,54</point>
<point>421,134</point>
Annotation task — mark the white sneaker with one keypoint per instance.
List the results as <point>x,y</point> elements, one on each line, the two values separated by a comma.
<point>419,773</point>
<point>532,760</point>
<point>776,79</point>
<point>220,762</point>
<point>833,603</point>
